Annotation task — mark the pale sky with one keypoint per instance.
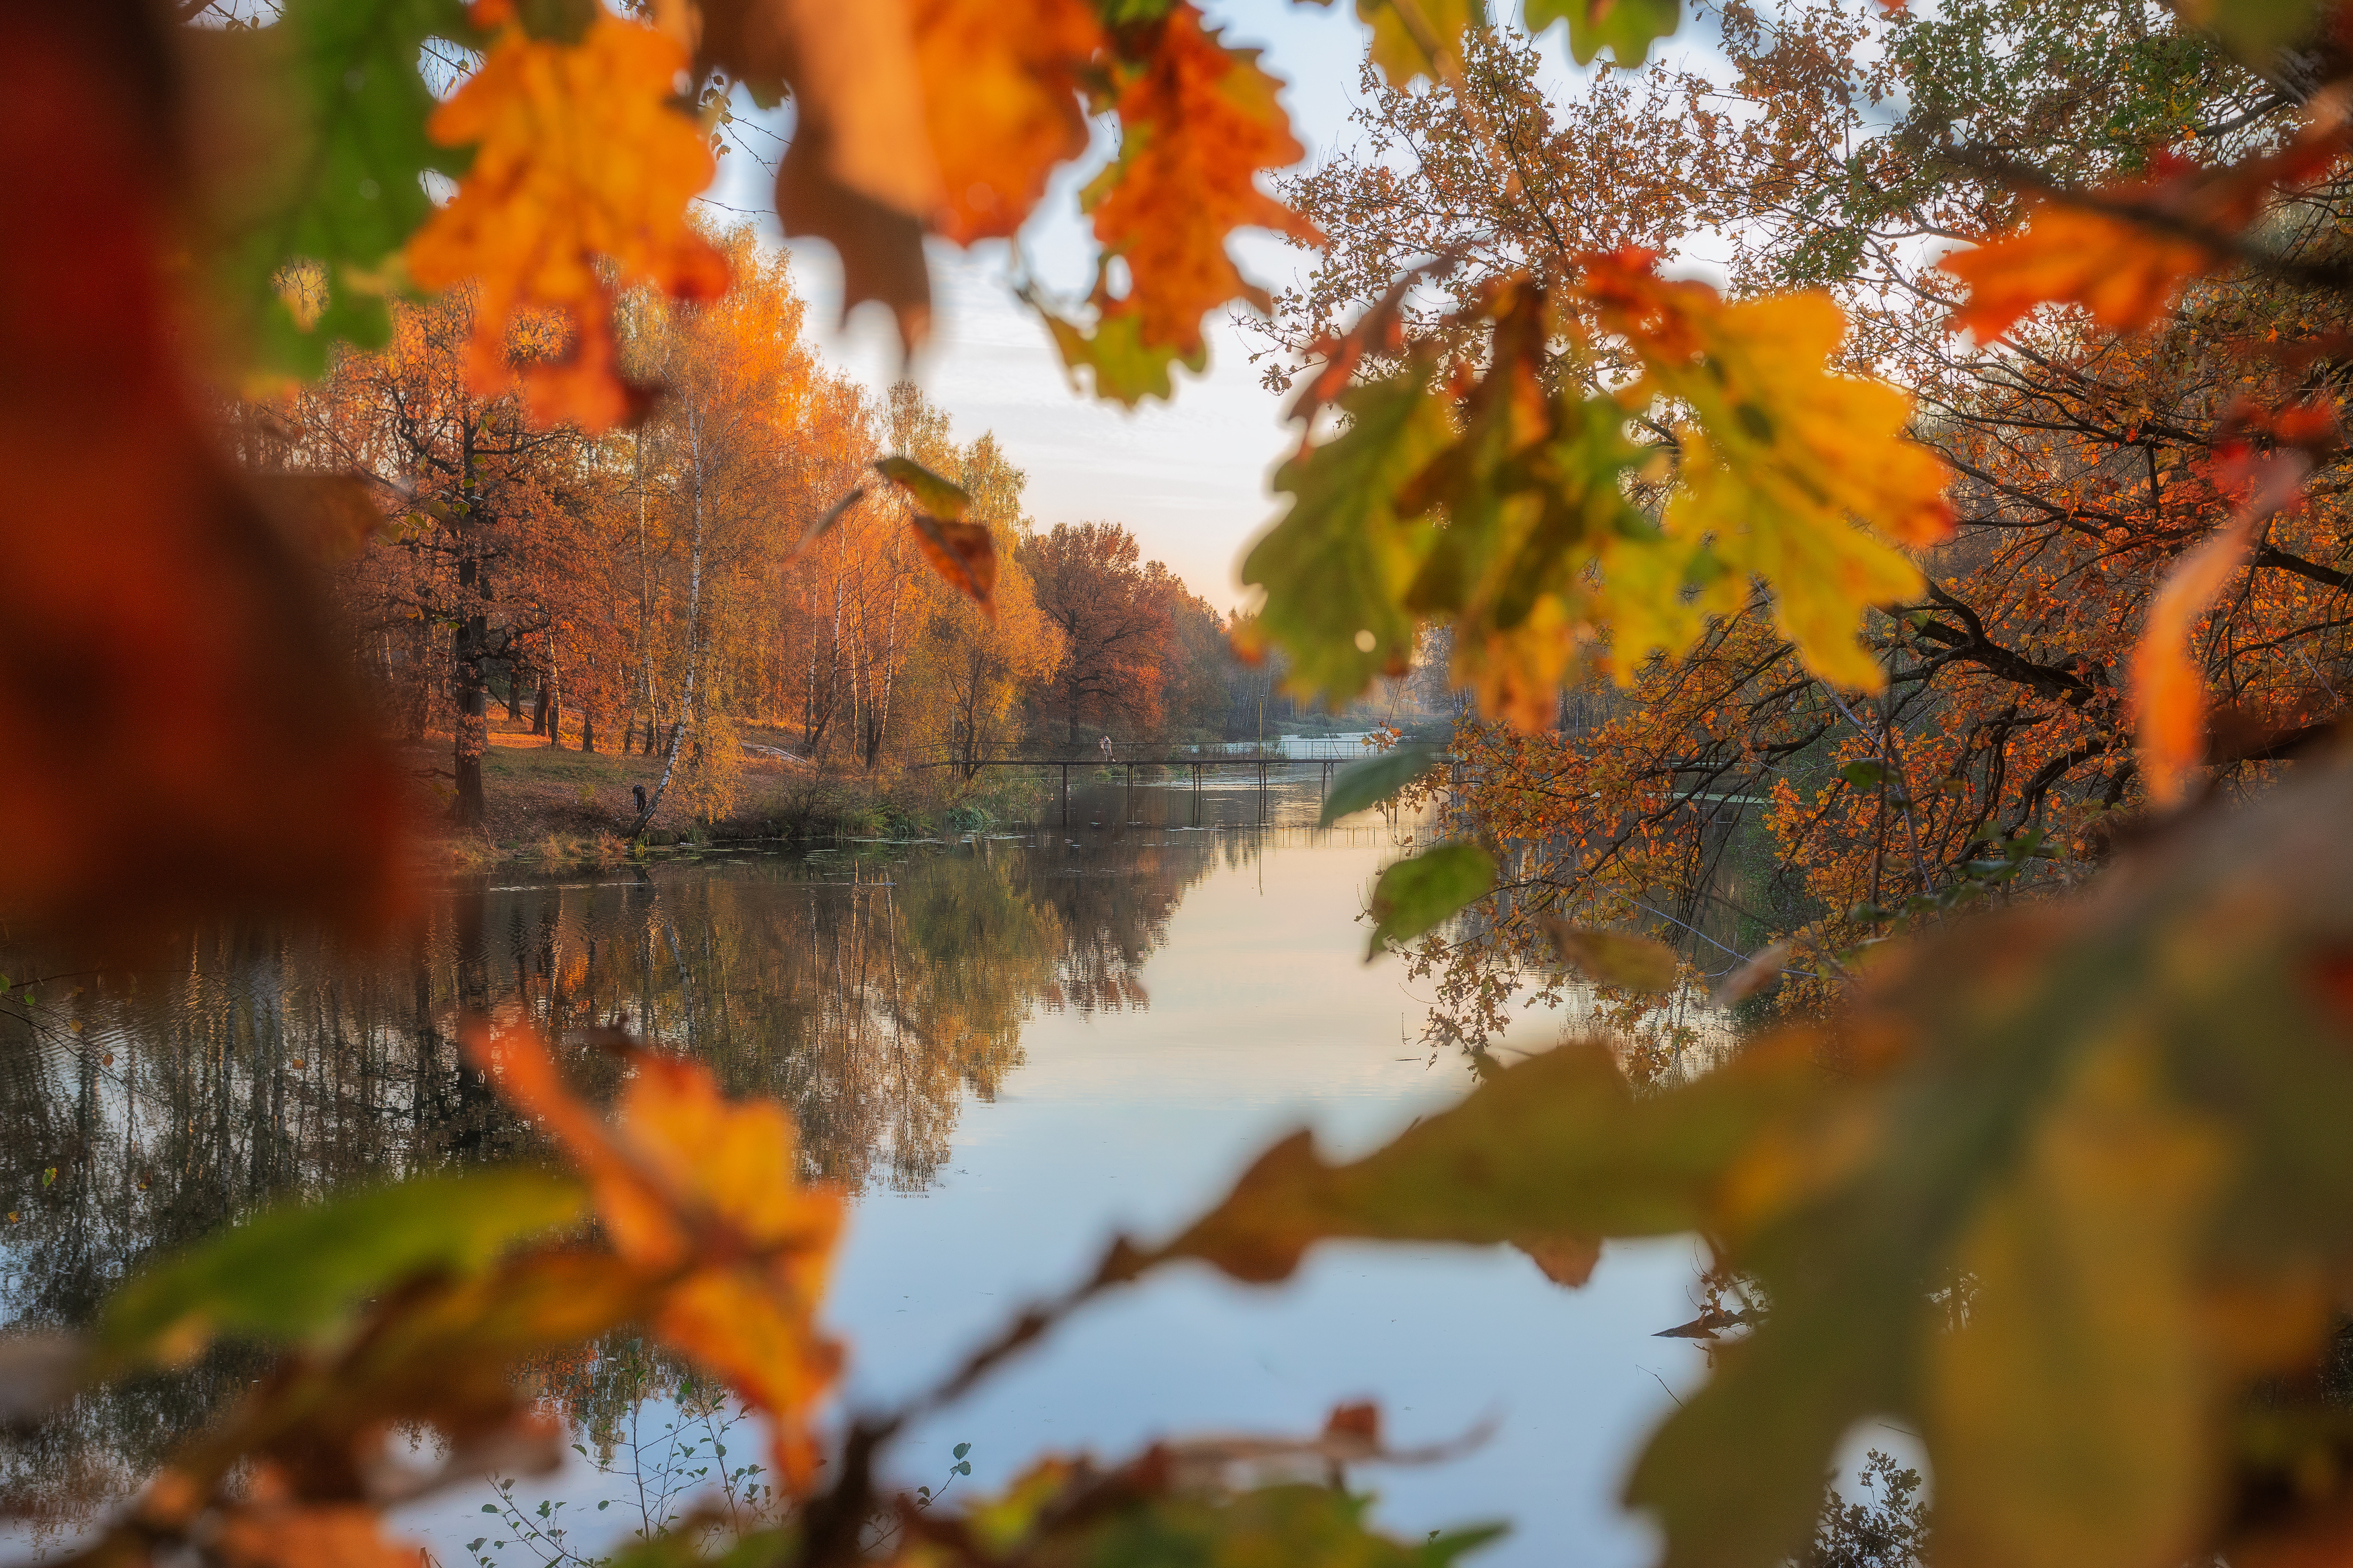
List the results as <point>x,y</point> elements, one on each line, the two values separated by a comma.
<point>1189,477</point>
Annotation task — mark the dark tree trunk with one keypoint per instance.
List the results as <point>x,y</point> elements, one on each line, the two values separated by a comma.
<point>468,649</point>
<point>539,711</point>
<point>473,711</point>
<point>515,693</point>
<point>587,729</point>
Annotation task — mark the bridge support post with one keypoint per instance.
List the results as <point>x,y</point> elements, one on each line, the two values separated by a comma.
<point>1066,794</point>
<point>1128,814</point>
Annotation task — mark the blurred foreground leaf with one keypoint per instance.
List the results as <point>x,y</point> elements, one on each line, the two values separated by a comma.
<point>940,498</point>
<point>2066,1191</point>
<point>1159,1511</point>
<point>202,746</point>
<point>963,554</point>
<point>1621,959</point>
<point>1627,28</point>
<point>303,1271</point>
<point>1416,894</point>
<point>1362,786</point>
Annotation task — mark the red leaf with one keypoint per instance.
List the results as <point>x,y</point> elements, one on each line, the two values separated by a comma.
<point>184,733</point>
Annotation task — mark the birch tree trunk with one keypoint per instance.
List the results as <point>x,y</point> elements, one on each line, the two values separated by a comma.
<point>694,626</point>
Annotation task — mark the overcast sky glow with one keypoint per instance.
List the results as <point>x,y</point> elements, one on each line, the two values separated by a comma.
<point>1190,478</point>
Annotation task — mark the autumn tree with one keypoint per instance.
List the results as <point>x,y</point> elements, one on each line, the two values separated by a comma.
<point>981,665</point>
<point>717,453</point>
<point>1198,688</point>
<point>478,502</point>
<point>1112,608</point>
<point>1730,794</point>
<point>816,611</point>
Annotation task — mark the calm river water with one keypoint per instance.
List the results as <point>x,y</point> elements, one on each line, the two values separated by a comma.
<point>1012,1046</point>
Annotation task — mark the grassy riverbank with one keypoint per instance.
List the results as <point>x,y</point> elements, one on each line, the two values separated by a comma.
<point>567,807</point>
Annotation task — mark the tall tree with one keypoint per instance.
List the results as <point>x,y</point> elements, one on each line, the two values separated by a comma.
<point>980,665</point>
<point>477,498</point>
<point>1112,609</point>
<point>718,453</point>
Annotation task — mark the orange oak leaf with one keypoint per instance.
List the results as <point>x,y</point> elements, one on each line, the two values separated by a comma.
<point>691,1184</point>
<point>1198,121</point>
<point>964,554</point>
<point>290,1535</point>
<point>2125,272</point>
<point>2169,693</point>
<point>860,172</point>
<point>582,159</point>
<point>1001,103</point>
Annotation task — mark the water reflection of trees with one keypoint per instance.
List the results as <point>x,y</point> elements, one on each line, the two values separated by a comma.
<point>871,992</point>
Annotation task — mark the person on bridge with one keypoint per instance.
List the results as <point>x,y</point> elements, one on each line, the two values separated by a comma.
<point>1107,751</point>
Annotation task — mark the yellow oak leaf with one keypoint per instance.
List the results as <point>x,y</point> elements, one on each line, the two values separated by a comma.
<point>708,1191</point>
<point>582,161</point>
<point>1824,573</point>
<point>1001,103</point>
<point>1198,122</point>
<point>1782,457</point>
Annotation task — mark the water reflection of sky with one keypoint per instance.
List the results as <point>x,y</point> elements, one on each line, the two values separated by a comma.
<point>1262,1017</point>
<point>1244,1009</point>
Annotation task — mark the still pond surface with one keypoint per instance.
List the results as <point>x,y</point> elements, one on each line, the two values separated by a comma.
<point>1013,1046</point>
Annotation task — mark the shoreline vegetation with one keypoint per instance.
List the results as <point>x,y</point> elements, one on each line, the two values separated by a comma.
<point>563,806</point>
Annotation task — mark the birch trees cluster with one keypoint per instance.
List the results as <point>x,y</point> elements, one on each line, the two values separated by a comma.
<point>658,589</point>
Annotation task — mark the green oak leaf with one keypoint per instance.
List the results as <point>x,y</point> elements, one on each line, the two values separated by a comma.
<point>939,497</point>
<point>1418,894</point>
<point>2254,30</point>
<point>1362,786</point>
<point>1627,28</point>
<point>1336,566</point>
<point>1124,368</point>
<point>320,143</point>
<point>300,1270</point>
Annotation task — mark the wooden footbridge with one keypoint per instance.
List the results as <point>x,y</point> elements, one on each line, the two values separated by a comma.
<point>1261,765</point>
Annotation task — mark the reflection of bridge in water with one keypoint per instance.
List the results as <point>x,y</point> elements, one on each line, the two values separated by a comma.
<point>1262,766</point>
